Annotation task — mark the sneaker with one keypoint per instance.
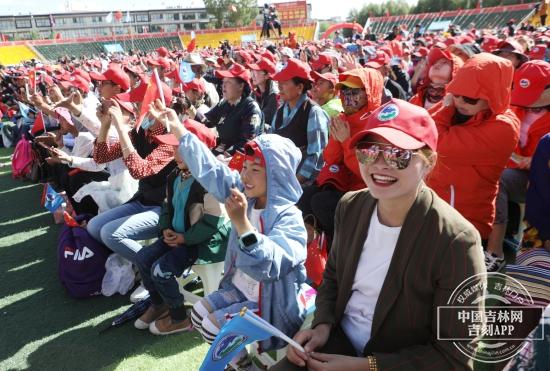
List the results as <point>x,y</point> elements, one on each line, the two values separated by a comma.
<point>151,314</point>
<point>493,263</point>
<point>166,326</point>
<point>139,294</point>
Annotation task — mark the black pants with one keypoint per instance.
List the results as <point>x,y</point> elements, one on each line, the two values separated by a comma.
<point>321,202</point>
<point>72,183</point>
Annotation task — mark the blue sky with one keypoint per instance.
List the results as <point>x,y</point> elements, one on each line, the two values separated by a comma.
<point>320,8</point>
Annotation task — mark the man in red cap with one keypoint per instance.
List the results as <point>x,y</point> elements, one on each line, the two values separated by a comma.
<point>324,93</point>
<point>112,82</point>
<point>265,92</point>
<point>531,103</point>
<point>195,92</point>
<point>298,119</point>
<point>381,62</point>
<point>237,117</point>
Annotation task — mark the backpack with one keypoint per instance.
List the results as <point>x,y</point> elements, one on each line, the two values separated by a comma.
<point>23,158</point>
<point>80,260</point>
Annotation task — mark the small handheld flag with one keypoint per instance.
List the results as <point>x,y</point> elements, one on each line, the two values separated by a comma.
<point>52,199</point>
<point>241,330</point>
<point>38,125</point>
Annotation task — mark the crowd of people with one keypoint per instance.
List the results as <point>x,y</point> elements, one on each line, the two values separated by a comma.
<point>411,154</point>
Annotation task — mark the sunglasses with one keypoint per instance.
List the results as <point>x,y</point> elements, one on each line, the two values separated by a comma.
<point>395,157</point>
<point>346,90</point>
<point>468,100</point>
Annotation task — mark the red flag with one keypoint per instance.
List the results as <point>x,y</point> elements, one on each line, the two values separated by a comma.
<point>153,92</point>
<point>388,13</point>
<point>32,80</point>
<point>38,124</point>
<point>237,161</point>
<point>479,4</point>
<point>193,43</point>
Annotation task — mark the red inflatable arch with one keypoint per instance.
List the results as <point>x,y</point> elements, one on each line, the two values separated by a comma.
<point>355,26</point>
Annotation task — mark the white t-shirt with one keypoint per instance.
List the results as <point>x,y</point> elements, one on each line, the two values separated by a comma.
<point>242,281</point>
<point>369,278</point>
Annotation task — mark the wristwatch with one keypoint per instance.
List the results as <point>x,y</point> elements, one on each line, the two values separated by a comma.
<point>248,239</point>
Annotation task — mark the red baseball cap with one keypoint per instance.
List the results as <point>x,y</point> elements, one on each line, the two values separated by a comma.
<point>511,46</point>
<point>294,68</point>
<point>78,82</point>
<point>530,81</point>
<point>162,51</point>
<point>236,71</point>
<point>206,135</point>
<point>115,74</point>
<point>322,61</point>
<point>421,52</point>
<point>379,60</point>
<point>538,52</point>
<point>263,64</point>
<point>437,54</point>
<point>267,54</point>
<point>401,123</point>
<point>85,75</point>
<point>123,104</point>
<point>63,112</point>
<point>195,84</point>
<point>328,76</point>
<point>161,62</point>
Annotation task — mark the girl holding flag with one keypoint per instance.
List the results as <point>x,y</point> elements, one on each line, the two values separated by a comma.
<point>264,264</point>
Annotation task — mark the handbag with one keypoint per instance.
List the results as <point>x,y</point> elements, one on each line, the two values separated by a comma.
<point>316,252</point>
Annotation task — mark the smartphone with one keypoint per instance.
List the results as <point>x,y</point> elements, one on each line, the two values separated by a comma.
<point>352,48</point>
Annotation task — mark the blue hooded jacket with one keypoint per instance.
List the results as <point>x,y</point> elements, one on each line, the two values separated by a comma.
<point>277,259</point>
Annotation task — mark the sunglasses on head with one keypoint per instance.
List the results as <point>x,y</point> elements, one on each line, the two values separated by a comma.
<point>468,100</point>
<point>397,158</point>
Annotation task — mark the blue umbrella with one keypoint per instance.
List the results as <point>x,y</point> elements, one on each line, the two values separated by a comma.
<point>131,313</point>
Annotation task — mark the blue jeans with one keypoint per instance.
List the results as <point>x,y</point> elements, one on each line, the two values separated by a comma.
<point>121,227</point>
<point>159,265</point>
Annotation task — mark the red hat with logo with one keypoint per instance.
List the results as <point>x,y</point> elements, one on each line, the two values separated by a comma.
<point>114,74</point>
<point>263,64</point>
<point>78,82</point>
<point>530,81</point>
<point>401,123</point>
<point>206,135</point>
<point>195,84</point>
<point>328,76</point>
<point>294,68</point>
<point>381,59</point>
<point>321,62</point>
<point>538,52</point>
<point>437,54</point>
<point>236,71</point>
<point>421,52</point>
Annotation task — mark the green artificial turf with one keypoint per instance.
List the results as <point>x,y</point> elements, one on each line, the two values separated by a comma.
<point>43,328</point>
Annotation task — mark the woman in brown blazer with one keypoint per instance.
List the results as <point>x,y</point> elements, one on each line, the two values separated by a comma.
<point>399,251</point>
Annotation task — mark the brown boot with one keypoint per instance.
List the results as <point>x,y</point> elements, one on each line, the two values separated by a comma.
<point>166,326</point>
<point>152,313</point>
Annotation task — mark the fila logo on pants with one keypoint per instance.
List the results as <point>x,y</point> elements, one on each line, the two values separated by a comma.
<point>77,254</point>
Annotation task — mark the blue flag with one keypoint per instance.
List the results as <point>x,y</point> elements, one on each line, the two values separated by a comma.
<point>24,110</point>
<point>234,336</point>
<point>52,199</point>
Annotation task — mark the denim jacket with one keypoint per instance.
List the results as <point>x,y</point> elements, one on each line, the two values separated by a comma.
<point>277,259</point>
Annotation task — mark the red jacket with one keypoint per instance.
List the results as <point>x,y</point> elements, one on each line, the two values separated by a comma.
<point>340,160</point>
<point>538,129</point>
<point>472,156</point>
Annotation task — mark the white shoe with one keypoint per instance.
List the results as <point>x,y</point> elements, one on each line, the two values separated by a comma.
<point>493,263</point>
<point>139,294</point>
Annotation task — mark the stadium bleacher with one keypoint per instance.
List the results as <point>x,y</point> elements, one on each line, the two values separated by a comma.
<point>494,17</point>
